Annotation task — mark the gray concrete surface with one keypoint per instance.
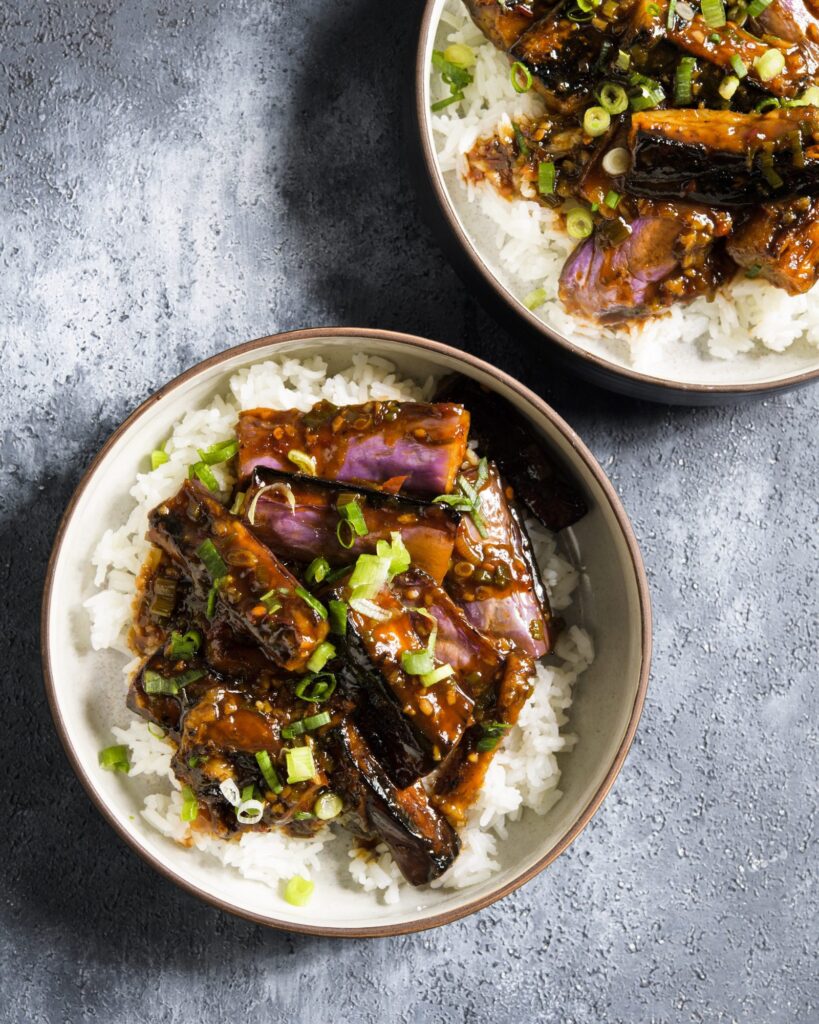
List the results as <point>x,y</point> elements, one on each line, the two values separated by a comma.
<point>181,176</point>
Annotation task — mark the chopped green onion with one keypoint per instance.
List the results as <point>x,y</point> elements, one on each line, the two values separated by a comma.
<point>442,672</point>
<point>298,890</point>
<point>809,98</point>
<point>369,575</point>
<point>521,77</point>
<point>230,791</point>
<point>672,14</point>
<point>769,103</point>
<point>250,812</point>
<point>596,121</point>
<point>588,5</point>
<point>612,199</point>
<point>364,606</point>
<point>535,298</point>
<point>682,81</point>
<point>305,462</point>
<point>212,560</point>
<point>293,729</point>
<point>338,617</point>
<point>300,764</point>
<point>313,722</point>
<point>115,759</point>
<point>454,98</point>
<point>327,806</point>
<point>617,161</point>
<point>268,771</point>
<point>190,805</point>
<point>715,37</point>
<point>395,550</point>
<point>754,271</point>
<point>203,472</point>
<point>220,452</point>
<point>654,10</point>
<point>316,688</point>
<point>158,458</point>
<point>713,11</point>
<point>345,533</point>
<point>613,98</point>
<point>492,733</point>
<point>546,177</point>
<point>317,606</point>
<point>351,513</point>
<point>417,663</point>
<point>153,682</point>
<point>728,86</point>
<point>271,601</point>
<point>460,55</point>
<point>623,60</point>
<point>238,503</point>
<point>156,731</point>
<point>579,223</point>
<point>769,171</point>
<point>320,656</point>
<point>317,570</point>
<point>303,816</point>
<point>184,645</point>
<point>736,62</point>
<point>210,606</point>
<point>756,7</point>
<point>520,139</point>
<point>769,65</point>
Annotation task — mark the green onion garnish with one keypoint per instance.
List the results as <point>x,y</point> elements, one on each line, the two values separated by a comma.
<point>317,606</point>
<point>352,514</point>
<point>682,81</point>
<point>115,759</point>
<point>520,139</point>
<point>170,686</point>
<point>442,672</point>
<point>328,806</point>
<point>754,271</point>
<point>184,645</point>
<point>521,76</point>
<point>317,570</point>
<point>345,534</point>
<point>492,733</point>
<point>623,60</point>
<point>313,722</point>
<point>303,816</point>
<point>320,656</point>
<point>736,62</point>
<point>460,55</point>
<point>546,177</point>
<point>728,86</point>
<point>613,98</point>
<point>271,601</point>
<point>190,805</point>
<point>579,223</point>
<point>305,462</point>
<point>212,560</point>
<point>220,452</point>
<point>713,11</point>
<point>454,74</point>
<point>250,810</point>
<point>293,729</point>
<point>369,575</point>
<point>756,7</point>
<point>395,551</point>
<point>268,771</point>
<point>535,298</point>
<point>417,663</point>
<point>210,606</point>
<point>596,121</point>
<point>300,764</point>
<point>158,458</point>
<point>654,10</point>
<point>338,617</point>
<point>468,500</point>
<point>715,37</point>
<point>316,688</point>
<point>238,503</point>
<point>769,65</point>
<point>454,98</point>
<point>203,472</point>
<point>672,13</point>
<point>612,199</point>
<point>769,103</point>
<point>298,890</point>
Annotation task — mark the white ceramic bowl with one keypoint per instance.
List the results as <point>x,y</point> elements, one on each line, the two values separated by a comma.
<point>87,698</point>
<point>672,372</point>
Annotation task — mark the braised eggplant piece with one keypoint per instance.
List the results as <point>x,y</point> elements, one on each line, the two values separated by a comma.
<point>415,447</point>
<point>504,23</point>
<point>727,44</point>
<point>538,479</point>
<point>422,842</point>
<point>494,577</point>
<point>780,242</point>
<point>790,20</point>
<point>300,520</point>
<point>458,784</point>
<point>724,159</point>
<point>667,256</point>
<point>234,572</point>
<point>163,687</point>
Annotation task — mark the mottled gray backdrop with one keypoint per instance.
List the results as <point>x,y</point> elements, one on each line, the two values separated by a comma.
<point>176,177</point>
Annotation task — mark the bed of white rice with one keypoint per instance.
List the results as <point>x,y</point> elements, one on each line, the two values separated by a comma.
<point>524,774</point>
<point>530,250</point>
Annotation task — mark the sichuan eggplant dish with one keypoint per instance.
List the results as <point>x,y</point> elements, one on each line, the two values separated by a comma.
<point>343,625</point>
<point>676,142</point>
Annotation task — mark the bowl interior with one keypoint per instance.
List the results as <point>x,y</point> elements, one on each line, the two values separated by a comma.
<point>665,361</point>
<point>88,689</point>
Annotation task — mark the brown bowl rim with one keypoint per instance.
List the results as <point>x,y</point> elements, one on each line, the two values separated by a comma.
<point>602,365</point>
<point>413,341</point>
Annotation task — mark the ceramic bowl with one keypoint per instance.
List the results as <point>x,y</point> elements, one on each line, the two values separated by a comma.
<point>672,372</point>
<point>87,696</point>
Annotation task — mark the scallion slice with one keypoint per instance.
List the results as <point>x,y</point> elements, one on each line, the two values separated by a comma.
<point>623,60</point>
<point>315,604</point>
<point>492,733</point>
<point>753,271</point>
<point>317,687</point>
<point>238,503</point>
<point>158,458</point>
<point>442,672</point>
<point>369,609</point>
<point>535,299</point>
<point>417,663</point>
<point>317,570</point>
<point>728,86</point>
<point>210,605</point>
<point>203,472</point>
<point>769,65</point>
<point>596,121</point>
<point>299,890</point>
<point>756,7</point>
<point>546,177</point>
<point>170,686</point>
<point>713,11</point>
<point>769,103</point>
<point>327,806</point>
<point>369,575</point>
<point>313,722</point>
<point>219,452</point>
<point>460,55</point>
<point>212,560</point>
<point>190,805</point>
<point>520,139</point>
<point>396,552</point>
<point>230,791</point>
<point>612,199</point>
<point>300,764</point>
<point>250,812</point>
<point>521,77</point>
<point>672,14</point>
<point>682,81</point>
<point>337,611</point>
<point>351,513</point>
<point>613,98</point>
<point>320,656</point>
<point>115,758</point>
<point>306,463</point>
<point>268,771</point>
<point>736,62</point>
<point>271,601</point>
<point>616,161</point>
<point>579,223</point>
<point>184,645</point>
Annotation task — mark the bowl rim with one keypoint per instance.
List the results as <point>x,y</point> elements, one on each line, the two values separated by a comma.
<point>667,386</point>
<point>623,523</point>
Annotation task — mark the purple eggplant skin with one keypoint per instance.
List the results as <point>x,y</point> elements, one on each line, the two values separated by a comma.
<point>539,479</point>
<point>422,842</point>
<point>494,576</point>
<point>790,20</point>
<point>308,529</point>
<point>414,447</point>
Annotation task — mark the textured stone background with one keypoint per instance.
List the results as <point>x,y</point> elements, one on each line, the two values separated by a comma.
<point>181,177</point>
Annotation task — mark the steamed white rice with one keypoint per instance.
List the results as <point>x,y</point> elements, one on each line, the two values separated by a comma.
<point>523,775</point>
<point>530,248</point>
